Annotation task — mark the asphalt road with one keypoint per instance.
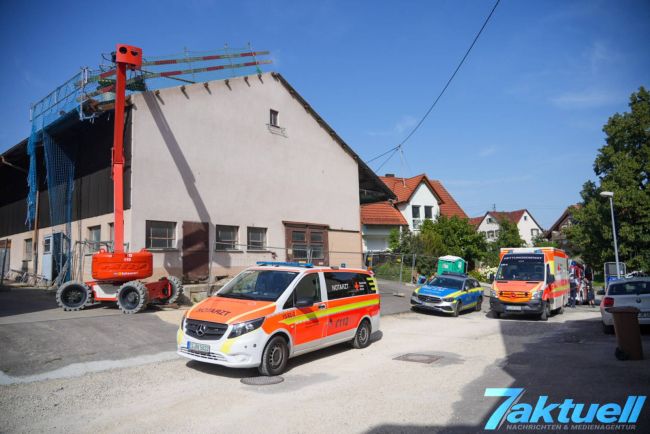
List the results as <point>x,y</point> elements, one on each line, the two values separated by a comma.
<point>129,380</point>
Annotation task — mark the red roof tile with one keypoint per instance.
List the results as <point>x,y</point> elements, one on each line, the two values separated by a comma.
<point>476,221</point>
<point>405,187</point>
<point>381,213</point>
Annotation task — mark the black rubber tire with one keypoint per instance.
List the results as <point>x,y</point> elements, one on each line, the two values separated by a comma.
<point>72,296</point>
<point>177,289</point>
<point>362,335</point>
<point>545,313</point>
<point>457,309</point>
<point>479,304</point>
<point>560,310</point>
<point>608,329</point>
<point>496,314</point>
<point>132,297</point>
<point>274,357</point>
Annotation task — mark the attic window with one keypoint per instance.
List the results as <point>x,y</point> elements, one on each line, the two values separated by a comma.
<point>273,118</point>
<point>525,217</point>
<point>273,124</point>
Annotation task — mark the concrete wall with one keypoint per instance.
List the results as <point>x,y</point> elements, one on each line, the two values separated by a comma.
<point>525,225</point>
<point>345,248</point>
<point>207,154</point>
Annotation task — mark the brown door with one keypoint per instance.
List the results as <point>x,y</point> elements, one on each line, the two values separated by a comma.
<point>307,242</point>
<point>196,253</point>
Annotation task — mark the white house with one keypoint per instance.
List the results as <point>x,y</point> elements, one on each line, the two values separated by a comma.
<point>488,224</point>
<point>418,198</point>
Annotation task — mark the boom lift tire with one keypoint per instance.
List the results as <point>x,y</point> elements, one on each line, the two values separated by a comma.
<point>73,296</point>
<point>132,297</point>
<point>177,289</point>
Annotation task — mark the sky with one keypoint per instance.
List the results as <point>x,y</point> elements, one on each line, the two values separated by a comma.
<point>519,127</point>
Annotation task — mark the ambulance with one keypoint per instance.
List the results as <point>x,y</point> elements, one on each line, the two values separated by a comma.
<point>530,281</point>
<point>278,310</point>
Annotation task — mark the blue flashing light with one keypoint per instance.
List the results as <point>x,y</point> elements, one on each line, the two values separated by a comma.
<point>286,264</point>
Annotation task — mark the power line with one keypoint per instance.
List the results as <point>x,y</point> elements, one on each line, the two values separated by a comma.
<point>442,91</point>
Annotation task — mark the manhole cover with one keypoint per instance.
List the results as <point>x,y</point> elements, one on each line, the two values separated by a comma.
<point>418,358</point>
<point>262,380</point>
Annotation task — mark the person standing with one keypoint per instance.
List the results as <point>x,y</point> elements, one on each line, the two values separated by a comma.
<point>591,296</point>
<point>573,291</point>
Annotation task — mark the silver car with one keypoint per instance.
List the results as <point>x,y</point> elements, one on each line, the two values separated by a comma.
<point>633,292</point>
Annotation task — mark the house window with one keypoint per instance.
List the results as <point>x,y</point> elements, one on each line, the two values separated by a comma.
<point>534,232</point>
<point>525,217</point>
<point>256,239</point>
<point>160,235</point>
<point>273,118</point>
<point>28,253</point>
<point>490,235</point>
<point>307,243</point>
<point>415,211</point>
<point>490,220</point>
<point>226,237</point>
<point>94,237</point>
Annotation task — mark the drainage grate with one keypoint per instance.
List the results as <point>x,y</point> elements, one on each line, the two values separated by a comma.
<point>418,358</point>
<point>262,380</point>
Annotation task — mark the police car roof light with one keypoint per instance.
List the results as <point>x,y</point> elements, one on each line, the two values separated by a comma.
<point>285,264</point>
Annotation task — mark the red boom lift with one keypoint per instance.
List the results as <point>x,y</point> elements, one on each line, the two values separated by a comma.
<point>115,274</point>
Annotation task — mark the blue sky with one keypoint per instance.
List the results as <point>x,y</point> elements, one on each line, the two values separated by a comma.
<point>519,127</point>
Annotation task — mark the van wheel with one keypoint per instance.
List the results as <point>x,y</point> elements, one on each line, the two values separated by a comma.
<point>457,309</point>
<point>545,313</point>
<point>479,305</point>
<point>274,357</point>
<point>362,336</point>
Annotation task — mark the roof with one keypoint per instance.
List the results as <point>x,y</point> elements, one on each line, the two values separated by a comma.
<point>381,213</point>
<point>511,216</point>
<point>556,226</point>
<point>404,188</point>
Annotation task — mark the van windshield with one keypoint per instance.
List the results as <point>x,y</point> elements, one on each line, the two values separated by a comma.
<point>262,285</point>
<point>521,267</point>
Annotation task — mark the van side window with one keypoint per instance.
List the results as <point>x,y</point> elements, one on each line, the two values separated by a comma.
<point>345,284</point>
<point>308,287</point>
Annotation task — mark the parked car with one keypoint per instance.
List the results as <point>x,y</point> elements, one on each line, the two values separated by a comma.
<point>449,293</point>
<point>278,310</point>
<point>634,292</point>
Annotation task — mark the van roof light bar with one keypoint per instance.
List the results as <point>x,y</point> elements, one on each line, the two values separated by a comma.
<point>285,264</point>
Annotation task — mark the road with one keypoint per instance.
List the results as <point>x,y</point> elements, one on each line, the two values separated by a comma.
<point>144,387</point>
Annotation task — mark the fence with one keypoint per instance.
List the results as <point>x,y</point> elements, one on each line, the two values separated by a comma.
<point>406,268</point>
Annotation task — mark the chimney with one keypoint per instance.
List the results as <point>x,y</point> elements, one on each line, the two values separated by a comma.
<point>390,175</point>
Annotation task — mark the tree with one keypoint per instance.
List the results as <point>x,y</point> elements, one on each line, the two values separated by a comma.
<point>508,237</point>
<point>540,241</point>
<point>623,167</point>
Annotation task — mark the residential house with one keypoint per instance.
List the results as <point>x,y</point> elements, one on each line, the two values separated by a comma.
<point>218,175</point>
<point>556,232</point>
<point>417,199</point>
<point>488,224</point>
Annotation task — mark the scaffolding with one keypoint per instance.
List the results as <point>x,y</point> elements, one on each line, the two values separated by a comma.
<point>91,92</point>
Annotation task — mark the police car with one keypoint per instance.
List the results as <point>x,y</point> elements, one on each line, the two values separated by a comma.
<point>449,293</point>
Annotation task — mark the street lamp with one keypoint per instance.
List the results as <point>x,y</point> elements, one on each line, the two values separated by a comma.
<point>610,195</point>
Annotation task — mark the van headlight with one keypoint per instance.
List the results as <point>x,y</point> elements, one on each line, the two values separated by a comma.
<point>493,293</point>
<point>183,321</point>
<point>537,295</point>
<point>245,327</point>
<point>449,299</point>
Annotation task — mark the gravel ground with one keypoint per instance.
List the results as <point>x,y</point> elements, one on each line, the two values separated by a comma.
<point>340,389</point>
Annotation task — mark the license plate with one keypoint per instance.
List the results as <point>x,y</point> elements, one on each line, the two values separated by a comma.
<point>201,348</point>
<point>644,314</point>
<point>429,304</point>
<point>513,307</point>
